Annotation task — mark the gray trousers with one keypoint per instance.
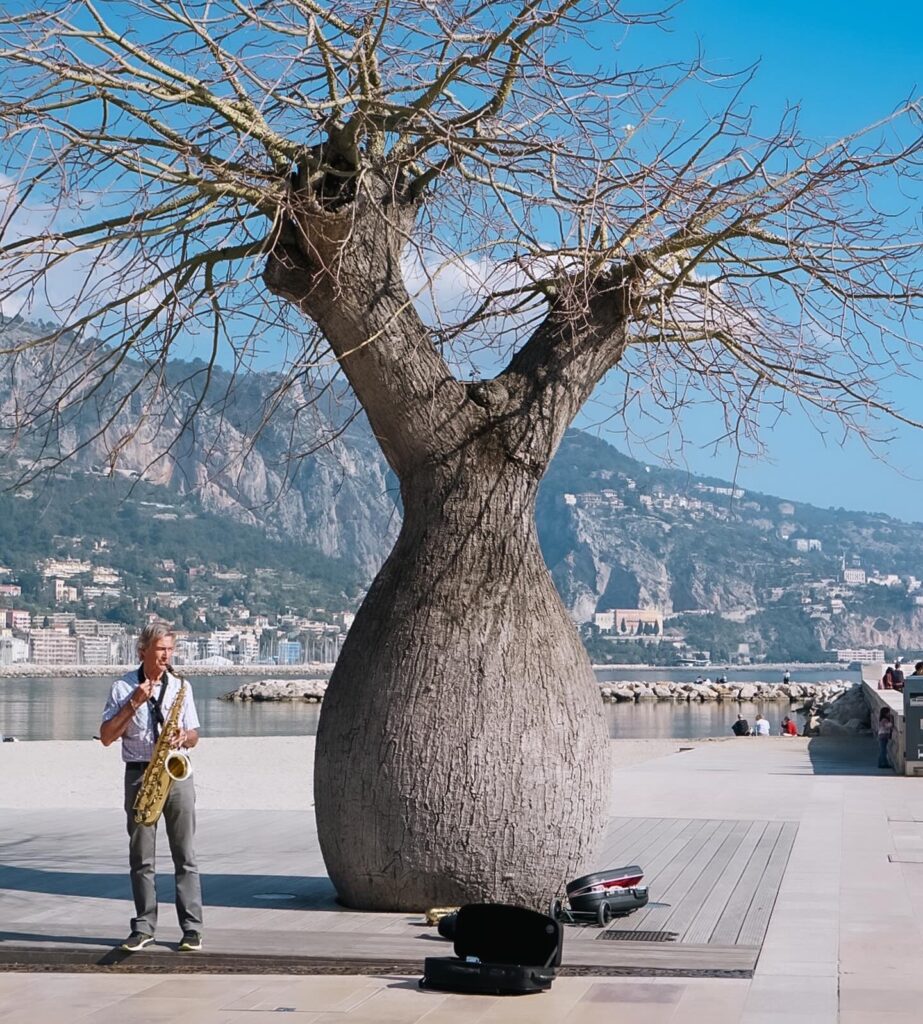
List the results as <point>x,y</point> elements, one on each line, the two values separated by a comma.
<point>179,818</point>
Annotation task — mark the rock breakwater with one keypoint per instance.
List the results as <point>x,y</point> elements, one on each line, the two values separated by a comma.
<point>313,690</point>
<point>842,714</point>
<point>625,692</point>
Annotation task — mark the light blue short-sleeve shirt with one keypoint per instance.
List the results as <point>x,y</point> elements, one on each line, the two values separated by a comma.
<point>138,738</point>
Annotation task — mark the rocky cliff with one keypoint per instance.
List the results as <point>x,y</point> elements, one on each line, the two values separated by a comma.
<point>618,534</point>
<point>297,462</point>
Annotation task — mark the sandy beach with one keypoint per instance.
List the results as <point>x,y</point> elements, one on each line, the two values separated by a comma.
<point>239,773</point>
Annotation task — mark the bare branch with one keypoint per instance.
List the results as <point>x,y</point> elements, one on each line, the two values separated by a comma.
<point>502,151</point>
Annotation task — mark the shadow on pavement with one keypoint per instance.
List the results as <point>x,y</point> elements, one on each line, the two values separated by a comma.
<point>66,940</point>
<point>277,892</point>
<point>845,755</point>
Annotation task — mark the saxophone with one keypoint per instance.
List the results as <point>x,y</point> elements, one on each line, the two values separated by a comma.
<point>166,766</point>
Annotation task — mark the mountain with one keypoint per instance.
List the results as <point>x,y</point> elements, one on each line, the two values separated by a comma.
<point>787,578</point>
<point>252,469</point>
<point>310,473</point>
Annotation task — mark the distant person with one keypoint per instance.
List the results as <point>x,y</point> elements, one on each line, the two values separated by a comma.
<point>788,727</point>
<point>760,726</point>
<point>893,678</point>
<point>134,714</point>
<point>722,680</point>
<point>885,730</point>
<point>741,727</point>
<point>786,676</point>
<point>918,669</point>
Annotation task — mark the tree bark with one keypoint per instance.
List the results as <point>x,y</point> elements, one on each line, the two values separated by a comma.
<point>462,753</point>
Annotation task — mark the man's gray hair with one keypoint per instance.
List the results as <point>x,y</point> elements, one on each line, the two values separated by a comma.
<point>152,633</point>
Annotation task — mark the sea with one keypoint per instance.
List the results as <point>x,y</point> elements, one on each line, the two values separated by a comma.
<point>71,708</point>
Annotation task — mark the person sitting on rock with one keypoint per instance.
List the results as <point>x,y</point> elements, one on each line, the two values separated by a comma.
<point>893,678</point>
<point>760,726</point>
<point>741,727</point>
<point>788,727</point>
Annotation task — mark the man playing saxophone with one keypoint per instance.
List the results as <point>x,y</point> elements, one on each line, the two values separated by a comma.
<point>138,706</point>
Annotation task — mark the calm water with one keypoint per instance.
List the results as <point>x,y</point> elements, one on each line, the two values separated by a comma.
<point>70,709</point>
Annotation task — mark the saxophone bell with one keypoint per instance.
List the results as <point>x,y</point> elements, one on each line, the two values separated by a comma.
<point>178,766</point>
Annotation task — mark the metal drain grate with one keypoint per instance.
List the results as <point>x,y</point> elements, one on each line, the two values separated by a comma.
<point>641,936</point>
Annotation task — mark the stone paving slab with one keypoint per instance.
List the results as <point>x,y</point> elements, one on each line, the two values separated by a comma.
<point>842,941</point>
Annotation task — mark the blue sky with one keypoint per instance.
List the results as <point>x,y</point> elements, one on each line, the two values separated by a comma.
<point>845,64</point>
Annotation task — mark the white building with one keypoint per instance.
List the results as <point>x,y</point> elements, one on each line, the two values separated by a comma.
<point>13,649</point>
<point>98,650</point>
<point>629,621</point>
<point>92,593</point>
<point>187,650</point>
<point>864,655</point>
<point>53,647</point>
<point>604,620</point>
<point>248,646</point>
<point>62,592</point>
<point>731,492</point>
<point>64,567</point>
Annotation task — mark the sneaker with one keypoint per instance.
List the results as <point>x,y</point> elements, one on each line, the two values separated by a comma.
<point>192,942</point>
<point>136,941</point>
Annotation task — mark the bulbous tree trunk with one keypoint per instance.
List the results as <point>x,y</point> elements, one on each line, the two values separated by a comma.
<point>462,753</point>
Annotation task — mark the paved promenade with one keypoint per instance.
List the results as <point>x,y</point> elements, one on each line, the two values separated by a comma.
<point>789,873</point>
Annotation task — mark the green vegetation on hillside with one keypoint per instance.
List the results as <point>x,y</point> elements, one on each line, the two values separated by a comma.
<point>113,523</point>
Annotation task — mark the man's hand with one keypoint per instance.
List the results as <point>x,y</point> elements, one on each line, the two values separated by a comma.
<point>179,739</point>
<point>114,728</point>
<point>143,692</point>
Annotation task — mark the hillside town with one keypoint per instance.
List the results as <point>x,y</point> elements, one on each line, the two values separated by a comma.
<point>210,631</point>
<point>823,589</point>
<point>655,567</point>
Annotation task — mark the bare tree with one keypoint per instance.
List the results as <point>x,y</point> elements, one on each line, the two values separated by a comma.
<point>237,168</point>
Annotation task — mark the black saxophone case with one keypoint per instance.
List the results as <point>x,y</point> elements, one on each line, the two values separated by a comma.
<point>499,950</point>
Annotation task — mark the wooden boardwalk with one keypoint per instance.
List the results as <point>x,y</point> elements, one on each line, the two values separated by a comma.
<point>711,881</point>
<point>713,884</point>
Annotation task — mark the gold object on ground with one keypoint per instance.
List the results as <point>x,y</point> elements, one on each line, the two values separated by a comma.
<point>435,914</point>
<point>166,766</point>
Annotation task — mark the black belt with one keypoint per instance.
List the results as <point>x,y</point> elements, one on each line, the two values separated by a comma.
<point>138,766</point>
